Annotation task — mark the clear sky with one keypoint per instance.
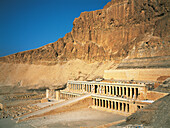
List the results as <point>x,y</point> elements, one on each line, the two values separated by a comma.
<point>29,24</point>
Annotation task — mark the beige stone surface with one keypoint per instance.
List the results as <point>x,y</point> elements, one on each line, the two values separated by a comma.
<point>153,95</point>
<point>44,100</point>
<point>42,75</point>
<point>136,74</point>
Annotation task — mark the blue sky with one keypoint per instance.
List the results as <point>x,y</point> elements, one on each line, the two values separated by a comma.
<point>29,24</point>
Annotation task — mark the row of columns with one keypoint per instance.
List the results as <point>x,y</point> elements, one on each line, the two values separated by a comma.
<point>67,96</point>
<point>110,90</point>
<point>113,105</point>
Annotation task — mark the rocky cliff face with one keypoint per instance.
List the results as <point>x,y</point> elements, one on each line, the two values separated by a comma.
<point>125,28</point>
<point>124,34</point>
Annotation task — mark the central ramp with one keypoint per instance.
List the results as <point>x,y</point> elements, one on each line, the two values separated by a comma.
<point>56,106</point>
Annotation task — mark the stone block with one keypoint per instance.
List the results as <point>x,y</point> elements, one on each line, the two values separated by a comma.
<point>44,100</point>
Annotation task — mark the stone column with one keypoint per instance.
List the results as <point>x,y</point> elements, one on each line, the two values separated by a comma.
<point>131,92</point>
<point>100,90</point>
<point>70,87</point>
<point>106,90</point>
<point>120,91</point>
<point>111,104</point>
<point>105,103</point>
<point>93,88</point>
<point>115,105</point>
<point>123,91</point>
<point>97,102</point>
<point>127,92</point>
<point>47,93</point>
<point>102,103</point>
<point>80,87</point>
<point>123,106</point>
<point>116,90</point>
<point>110,90</point>
<point>89,88</point>
<point>118,106</point>
<point>61,95</point>
<point>97,89</point>
<point>126,108</point>
<point>58,95</point>
<point>135,93</point>
<point>93,101</point>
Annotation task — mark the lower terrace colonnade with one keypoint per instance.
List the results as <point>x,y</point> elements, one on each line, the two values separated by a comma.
<point>67,96</point>
<point>111,104</point>
<point>111,90</point>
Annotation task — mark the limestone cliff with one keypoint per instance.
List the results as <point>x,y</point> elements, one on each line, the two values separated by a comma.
<point>128,33</point>
<point>122,28</point>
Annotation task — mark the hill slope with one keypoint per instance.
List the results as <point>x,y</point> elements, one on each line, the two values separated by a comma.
<point>156,114</point>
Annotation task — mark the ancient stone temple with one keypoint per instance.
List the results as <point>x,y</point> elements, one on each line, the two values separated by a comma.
<point>120,96</point>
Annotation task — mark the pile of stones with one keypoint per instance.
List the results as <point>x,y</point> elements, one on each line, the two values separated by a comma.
<point>16,111</point>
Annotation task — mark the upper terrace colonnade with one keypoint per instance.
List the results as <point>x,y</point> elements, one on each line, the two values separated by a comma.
<point>124,90</point>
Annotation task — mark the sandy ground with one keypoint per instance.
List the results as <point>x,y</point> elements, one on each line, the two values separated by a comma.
<point>86,117</point>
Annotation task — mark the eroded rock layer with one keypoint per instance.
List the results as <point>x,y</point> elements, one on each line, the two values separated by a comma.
<point>122,28</point>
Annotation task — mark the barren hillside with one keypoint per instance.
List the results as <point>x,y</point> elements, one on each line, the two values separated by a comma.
<point>156,115</point>
<point>126,32</point>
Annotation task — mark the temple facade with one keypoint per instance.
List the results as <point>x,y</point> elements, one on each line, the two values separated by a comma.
<point>120,96</point>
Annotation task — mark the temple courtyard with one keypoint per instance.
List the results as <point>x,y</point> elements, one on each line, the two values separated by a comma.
<point>85,117</point>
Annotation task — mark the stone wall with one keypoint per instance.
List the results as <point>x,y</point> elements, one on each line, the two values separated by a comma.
<point>155,95</point>
<point>136,74</point>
